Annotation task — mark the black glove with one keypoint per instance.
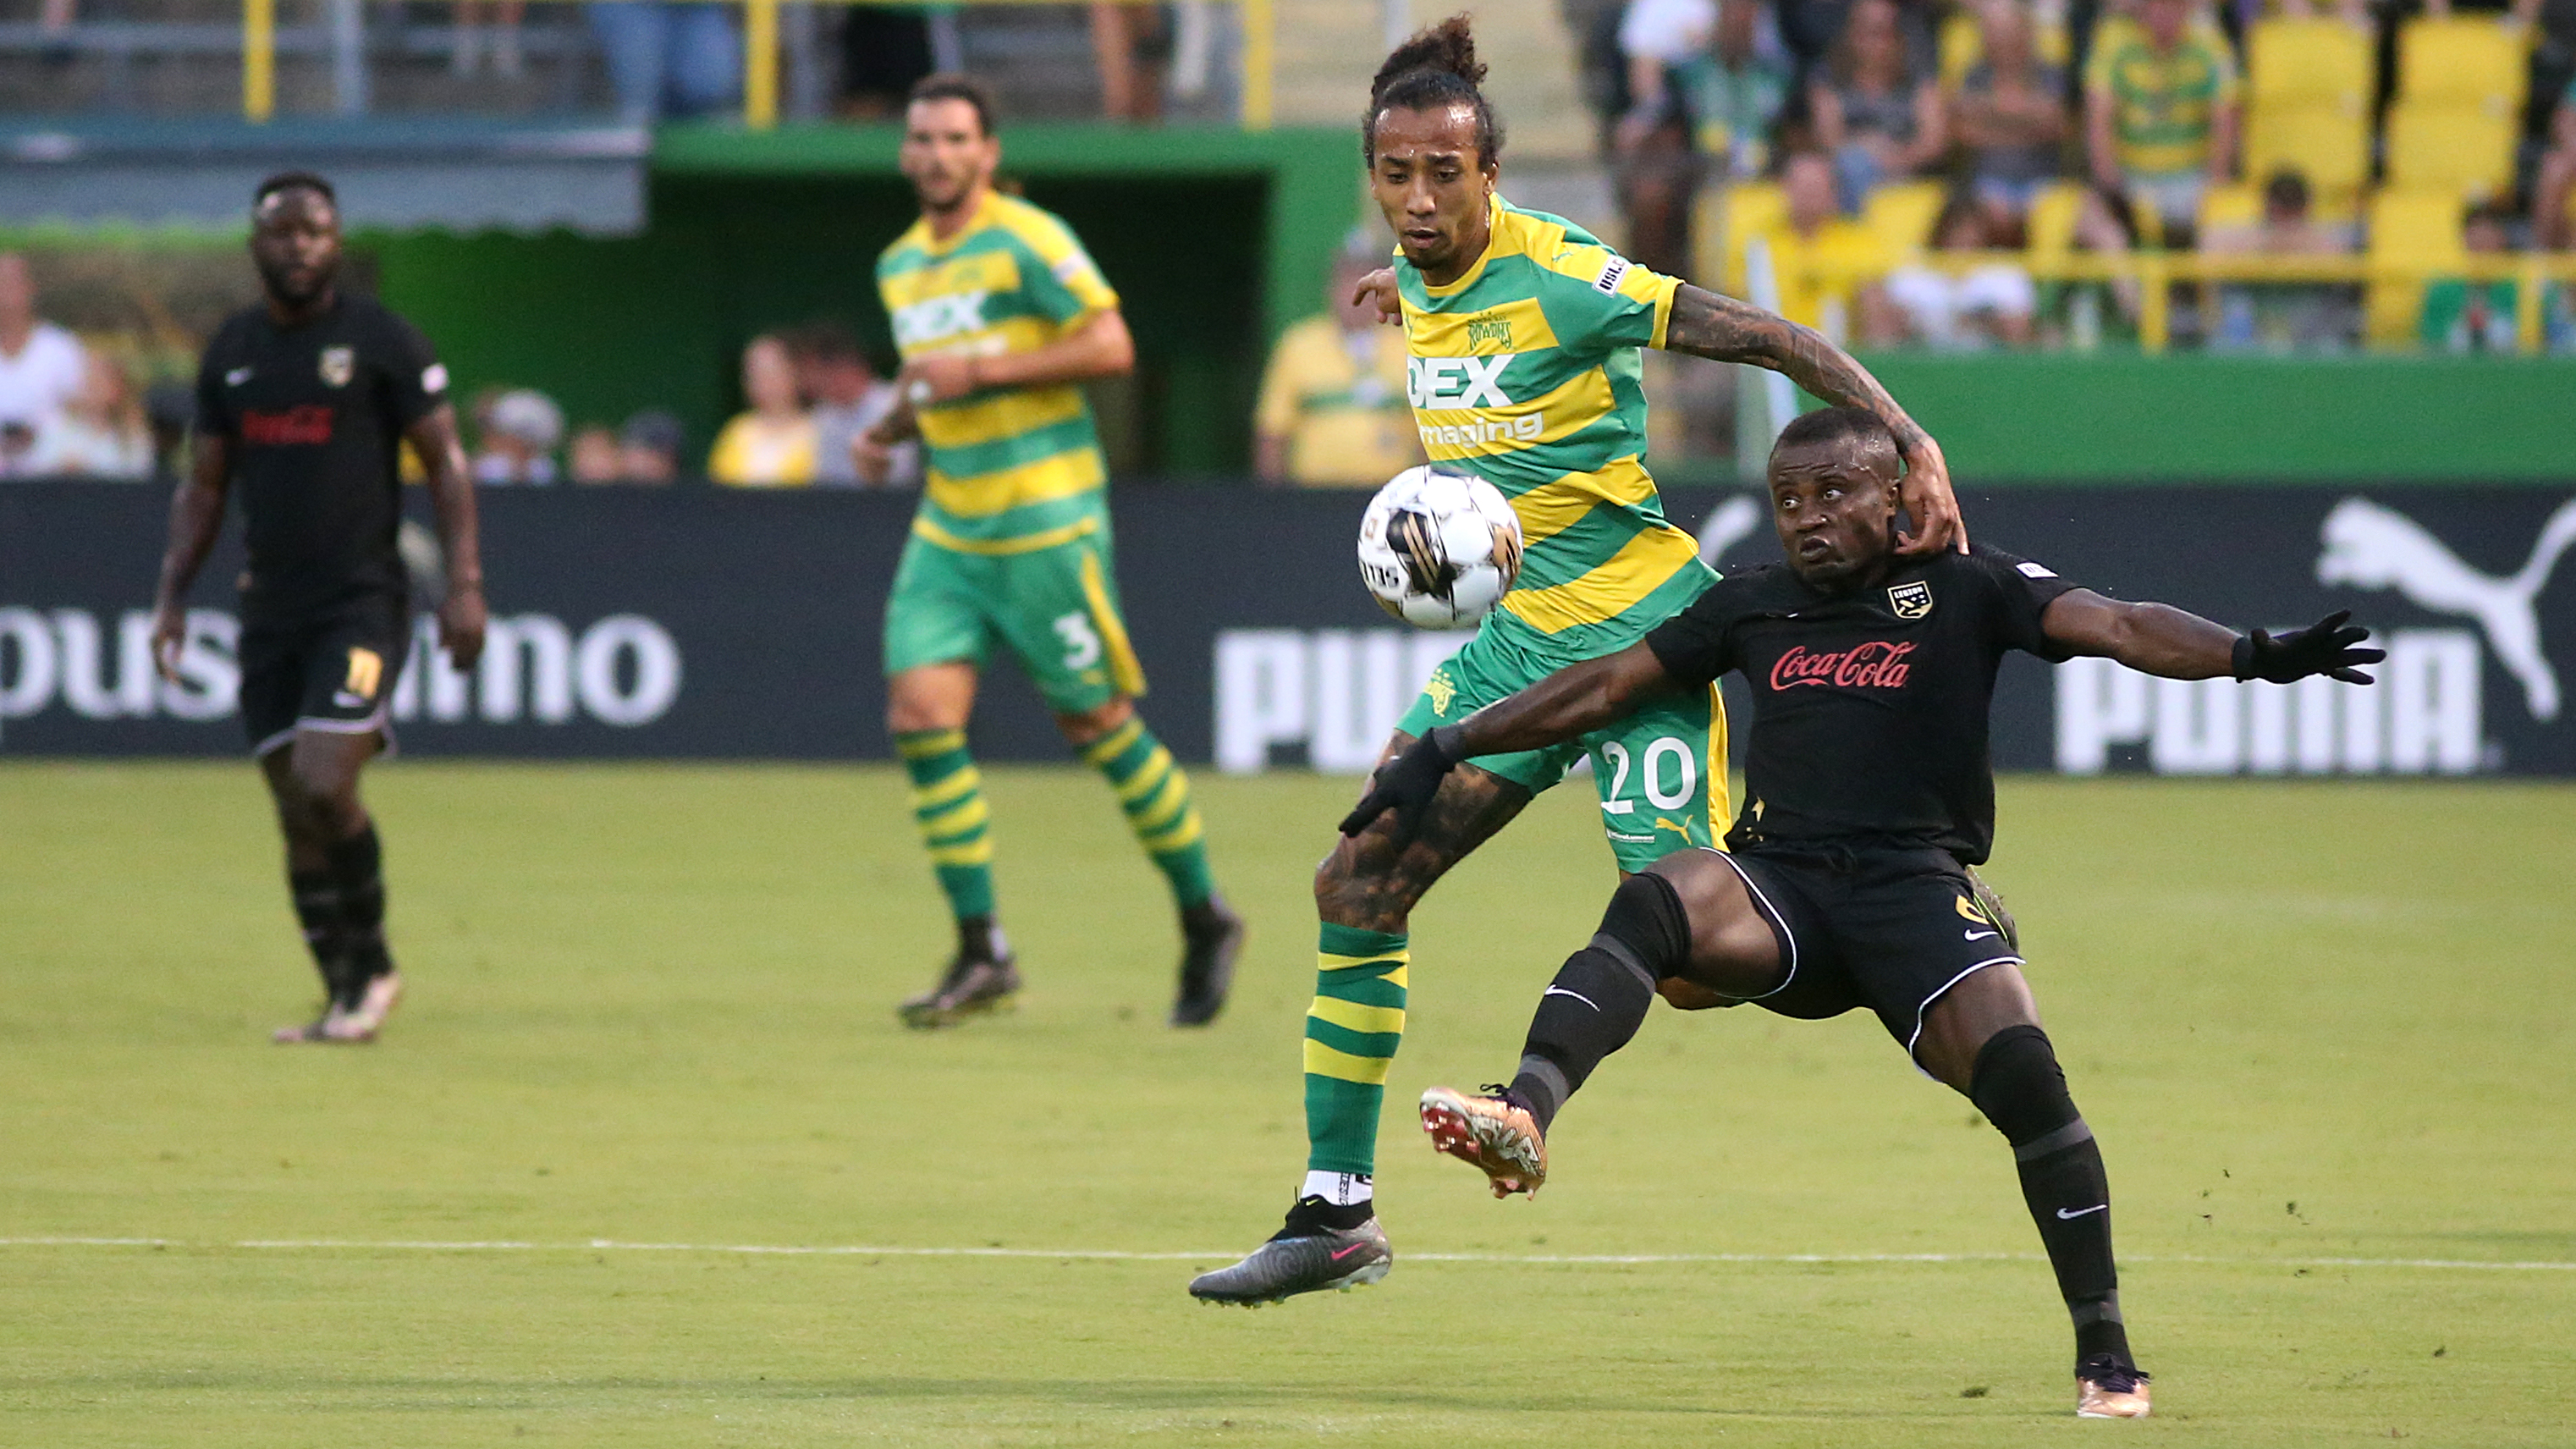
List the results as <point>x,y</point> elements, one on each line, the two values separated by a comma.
<point>2324,647</point>
<point>1405,785</point>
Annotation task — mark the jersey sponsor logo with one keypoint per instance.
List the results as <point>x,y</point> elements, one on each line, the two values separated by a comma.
<point>339,364</point>
<point>934,320</point>
<point>1457,382</point>
<point>306,425</point>
<point>1910,600</point>
<point>1875,664</point>
<point>1607,284</point>
<point>237,377</point>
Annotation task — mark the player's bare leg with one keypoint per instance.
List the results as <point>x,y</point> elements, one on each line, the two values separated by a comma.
<point>926,712</point>
<point>1365,892</point>
<point>334,867</point>
<point>1154,792</point>
<point>1982,1038</point>
<point>1685,928</point>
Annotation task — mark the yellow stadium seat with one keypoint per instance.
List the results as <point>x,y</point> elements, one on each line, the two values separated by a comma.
<point>1963,44</point>
<point>2328,145</point>
<point>1740,212</point>
<point>2407,226</point>
<point>2053,213</point>
<point>1900,214</point>
<point>2464,150</point>
<point>2461,61</point>
<point>2308,62</point>
<point>2223,207</point>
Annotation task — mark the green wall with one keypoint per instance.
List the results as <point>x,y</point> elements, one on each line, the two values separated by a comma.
<point>1215,239</point>
<point>2199,418</point>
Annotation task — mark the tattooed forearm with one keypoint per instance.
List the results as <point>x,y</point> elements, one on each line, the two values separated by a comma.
<point>1723,329</point>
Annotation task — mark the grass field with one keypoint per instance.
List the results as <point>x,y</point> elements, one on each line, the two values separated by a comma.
<point>2324,1032</point>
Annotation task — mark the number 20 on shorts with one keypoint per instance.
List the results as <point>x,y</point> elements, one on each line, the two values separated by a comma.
<point>1648,769</point>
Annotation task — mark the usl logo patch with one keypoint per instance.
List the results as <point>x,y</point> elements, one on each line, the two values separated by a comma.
<point>1910,600</point>
<point>339,364</point>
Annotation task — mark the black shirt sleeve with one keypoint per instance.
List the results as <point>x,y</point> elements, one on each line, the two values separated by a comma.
<point>2023,591</point>
<point>414,380</point>
<point>1698,644</point>
<point>213,419</point>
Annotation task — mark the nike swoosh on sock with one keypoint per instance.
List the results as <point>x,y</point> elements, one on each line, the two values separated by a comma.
<point>1577,995</point>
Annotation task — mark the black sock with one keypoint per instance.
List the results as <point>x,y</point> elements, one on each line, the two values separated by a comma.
<point>357,865</point>
<point>979,938</point>
<point>1600,996</point>
<point>316,894</point>
<point>2018,1085</point>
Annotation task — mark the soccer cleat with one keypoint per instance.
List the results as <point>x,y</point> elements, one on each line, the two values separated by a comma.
<point>972,987</point>
<point>1492,1133</point>
<point>1212,937</point>
<point>1309,1255</point>
<point>349,1023</point>
<point>2106,1388</point>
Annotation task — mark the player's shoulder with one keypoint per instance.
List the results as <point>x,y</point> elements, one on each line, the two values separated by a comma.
<point>908,249</point>
<point>236,330</point>
<point>366,314</point>
<point>1032,226</point>
<point>1995,568</point>
<point>1771,588</point>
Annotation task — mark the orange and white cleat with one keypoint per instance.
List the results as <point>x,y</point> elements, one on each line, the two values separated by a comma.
<point>349,1024</point>
<point>1491,1132</point>
<point>2106,1388</point>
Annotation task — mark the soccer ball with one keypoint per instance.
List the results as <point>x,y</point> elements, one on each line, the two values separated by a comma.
<point>1438,548</point>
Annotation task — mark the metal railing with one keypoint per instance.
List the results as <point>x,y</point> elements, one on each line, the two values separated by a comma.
<point>259,36</point>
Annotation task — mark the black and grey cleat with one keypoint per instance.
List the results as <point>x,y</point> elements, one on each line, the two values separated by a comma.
<point>972,987</point>
<point>1211,936</point>
<point>1309,1255</point>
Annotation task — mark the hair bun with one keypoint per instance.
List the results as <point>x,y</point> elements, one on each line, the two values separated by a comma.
<point>1448,48</point>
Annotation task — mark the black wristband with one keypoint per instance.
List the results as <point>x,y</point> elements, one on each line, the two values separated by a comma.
<point>2241,659</point>
<point>1447,739</point>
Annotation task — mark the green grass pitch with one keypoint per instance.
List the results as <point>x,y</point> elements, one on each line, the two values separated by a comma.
<point>2323,1031</point>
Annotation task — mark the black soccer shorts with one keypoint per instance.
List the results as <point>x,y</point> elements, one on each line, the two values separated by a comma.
<point>332,671</point>
<point>1889,929</point>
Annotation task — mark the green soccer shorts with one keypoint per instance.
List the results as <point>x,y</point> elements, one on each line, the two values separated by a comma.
<point>1661,772</point>
<point>1055,608</point>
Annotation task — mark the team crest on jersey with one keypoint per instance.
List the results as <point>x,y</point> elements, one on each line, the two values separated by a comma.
<point>339,364</point>
<point>1442,690</point>
<point>1910,600</point>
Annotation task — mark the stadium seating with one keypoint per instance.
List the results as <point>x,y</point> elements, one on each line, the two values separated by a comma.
<point>2051,224</point>
<point>2239,205</point>
<point>1742,212</point>
<point>2461,61</point>
<point>2406,227</point>
<point>1963,44</point>
<point>2463,149</point>
<point>2308,63</point>
<point>2327,144</point>
<point>1900,215</point>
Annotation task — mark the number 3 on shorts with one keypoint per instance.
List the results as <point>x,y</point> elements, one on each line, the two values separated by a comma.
<point>1081,641</point>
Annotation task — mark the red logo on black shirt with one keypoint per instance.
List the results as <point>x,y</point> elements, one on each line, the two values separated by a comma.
<point>310,423</point>
<point>1877,664</point>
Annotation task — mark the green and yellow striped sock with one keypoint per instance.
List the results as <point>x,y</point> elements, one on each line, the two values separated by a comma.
<point>1352,1032</point>
<point>948,805</point>
<point>1155,793</point>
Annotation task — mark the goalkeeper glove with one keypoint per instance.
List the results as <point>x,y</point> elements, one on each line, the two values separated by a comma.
<point>1406,784</point>
<point>2325,647</point>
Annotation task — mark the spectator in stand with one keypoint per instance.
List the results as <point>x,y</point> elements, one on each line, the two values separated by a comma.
<point>2160,117</point>
<point>1706,79</point>
<point>848,398</point>
<point>100,432</point>
<point>1132,45</point>
<point>42,367</point>
<point>521,430</point>
<point>1821,257</point>
<point>771,444</point>
<point>1988,306</point>
<point>2465,316</point>
<point>2010,117</point>
<point>2285,316</point>
<point>669,58</point>
<point>2555,189</point>
<point>1879,117</point>
<point>1333,411</point>
<point>649,445</point>
<point>593,457</point>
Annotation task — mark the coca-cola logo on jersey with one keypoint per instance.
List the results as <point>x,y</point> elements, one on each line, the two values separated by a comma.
<point>1877,664</point>
<point>306,424</point>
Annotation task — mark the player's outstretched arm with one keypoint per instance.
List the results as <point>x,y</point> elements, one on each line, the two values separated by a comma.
<point>196,515</point>
<point>1723,329</point>
<point>1572,701</point>
<point>1098,346</point>
<point>2163,640</point>
<point>451,496</point>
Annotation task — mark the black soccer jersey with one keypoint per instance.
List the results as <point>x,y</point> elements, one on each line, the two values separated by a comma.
<point>1869,708</point>
<point>315,415</point>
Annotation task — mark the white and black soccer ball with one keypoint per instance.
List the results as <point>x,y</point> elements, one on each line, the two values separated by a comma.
<point>1439,547</point>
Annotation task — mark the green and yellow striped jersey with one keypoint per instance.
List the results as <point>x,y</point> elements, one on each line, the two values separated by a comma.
<point>1525,372</point>
<point>1010,469</point>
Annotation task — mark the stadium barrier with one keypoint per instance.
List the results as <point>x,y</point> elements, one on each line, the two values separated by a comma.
<point>703,624</point>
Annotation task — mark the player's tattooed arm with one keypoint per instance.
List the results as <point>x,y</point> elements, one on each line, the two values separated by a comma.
<point>2162,640</point>
<point>1723,329</point>
<point>451,496</point>
<point>1572,701</point>
<point>196,516</point>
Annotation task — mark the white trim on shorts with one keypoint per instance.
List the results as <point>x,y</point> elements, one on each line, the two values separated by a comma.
<point>378,722</point>
<point>1925,1009</point>
<point>1779,923</point>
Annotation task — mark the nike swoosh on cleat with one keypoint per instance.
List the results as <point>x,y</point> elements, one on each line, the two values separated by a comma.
<point>1346,1252</point>
<point>1577,995</point>
<point>2099,1207</point>
<point>1979,935</point>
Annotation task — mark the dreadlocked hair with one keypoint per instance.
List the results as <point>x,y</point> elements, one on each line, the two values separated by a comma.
<point>1435,69</point>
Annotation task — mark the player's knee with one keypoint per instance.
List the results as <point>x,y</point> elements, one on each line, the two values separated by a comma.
<point>2020,1088</point>
<point>1085,726</point>
<point>1647,922</point>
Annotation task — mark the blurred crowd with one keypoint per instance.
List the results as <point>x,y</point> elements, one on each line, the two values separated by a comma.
<point>67,409</point>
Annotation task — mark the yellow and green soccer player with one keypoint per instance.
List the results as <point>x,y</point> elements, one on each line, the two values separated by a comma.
<point>1524,333</point>
<point>1001,317</point>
